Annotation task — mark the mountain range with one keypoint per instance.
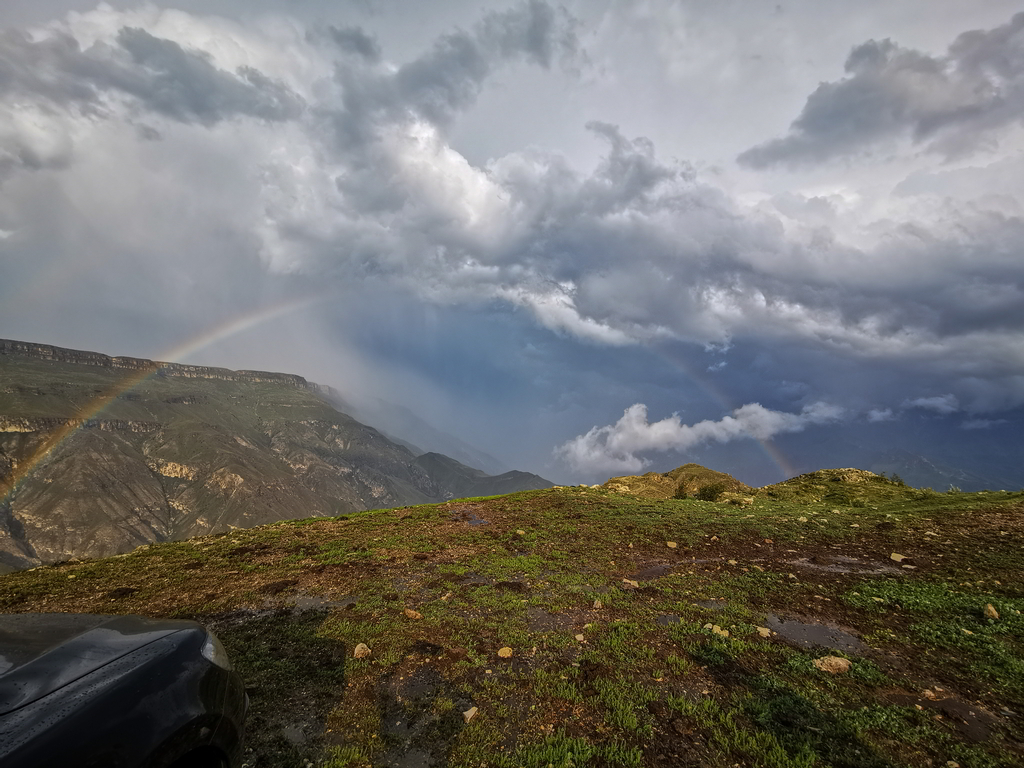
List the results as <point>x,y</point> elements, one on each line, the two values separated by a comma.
<point>100,454</point>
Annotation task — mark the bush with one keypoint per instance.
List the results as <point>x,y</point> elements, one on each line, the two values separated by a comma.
<point>710,492</point>
<point>681,492</point>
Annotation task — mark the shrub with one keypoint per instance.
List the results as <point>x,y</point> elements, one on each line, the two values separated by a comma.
<point>681,492</point>
<point>710,492</point>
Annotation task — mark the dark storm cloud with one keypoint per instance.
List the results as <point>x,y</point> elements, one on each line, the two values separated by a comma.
<point>448,78</point>
<point>355,40</point>
<point>158,75</point>
<point>956,103</point>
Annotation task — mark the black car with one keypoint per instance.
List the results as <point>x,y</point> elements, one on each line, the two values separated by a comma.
<point>116,692</point>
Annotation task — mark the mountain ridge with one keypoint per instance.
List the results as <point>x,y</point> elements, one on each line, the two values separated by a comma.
<point>101,454</point>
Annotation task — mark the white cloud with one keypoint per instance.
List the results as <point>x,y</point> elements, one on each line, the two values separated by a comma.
<point>615,448</point>
<point>982,423</point>
<point>942,404</point>
<point>876,415</point>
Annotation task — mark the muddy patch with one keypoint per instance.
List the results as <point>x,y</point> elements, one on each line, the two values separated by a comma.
<point>970,720</point>
<point>814,635</point>
<point>667,620</point>
<point>844,564</point>
<point>421,714</point>
<point>652,572</point>
<point>540,620</point>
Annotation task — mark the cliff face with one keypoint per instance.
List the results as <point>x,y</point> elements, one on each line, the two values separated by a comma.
<point>101,454</point>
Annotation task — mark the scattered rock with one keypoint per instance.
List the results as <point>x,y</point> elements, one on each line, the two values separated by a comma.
<point>598,605</point>
<point>671,544</point>
<point>896,557</point>
<point>505,652</point>
<point>521,533</point>
<point>580,638</point>
<point>731,562</point>
<point>469,714</point>
<point>834,665</point>
<point>631,583</point>
<point>717,630</point>
<point>802,519</point>
<point>361,651</point>
<point>991,612</point>
<point>714,538</point>
<point>764,632</point>
<point>410,613</point>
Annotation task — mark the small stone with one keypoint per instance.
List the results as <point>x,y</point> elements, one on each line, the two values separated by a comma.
<point>897,558</point>
<point>834,665</point>
<point>764,632</point>
<point>802,519</point>
<point>717,630</point>
<point>671,544</point>
<point>521,533</point>
<point>410,613</point>
<point>714,538</point>
<point>580,638</point>
<point>631,583</point>
<point>361,651</point>
<point>991,612</point>
<point>469,714</point>
<point>731,562</point>
<point>952,764</point>
<point>446,596</point>
<point>966,631</point>
<point>598,605</point>
<point>709,625</point>
<point>505,652</point>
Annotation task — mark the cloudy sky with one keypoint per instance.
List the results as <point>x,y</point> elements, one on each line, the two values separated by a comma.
<point>589,238</point>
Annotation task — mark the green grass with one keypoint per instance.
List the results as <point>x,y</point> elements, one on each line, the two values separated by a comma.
<point>632,689</point>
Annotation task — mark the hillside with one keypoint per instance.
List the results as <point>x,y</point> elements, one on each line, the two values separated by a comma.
<point>562,628</point>
<point>101,454</point>
<point>685,480</point>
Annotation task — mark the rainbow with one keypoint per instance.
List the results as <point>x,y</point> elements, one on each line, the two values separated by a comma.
<point>95,407</point>
<point>769,449</point>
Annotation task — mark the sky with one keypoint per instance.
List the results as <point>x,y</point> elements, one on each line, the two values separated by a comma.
<point>592,238</point>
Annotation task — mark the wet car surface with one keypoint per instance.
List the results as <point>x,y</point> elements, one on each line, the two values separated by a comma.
<point>116,691</point>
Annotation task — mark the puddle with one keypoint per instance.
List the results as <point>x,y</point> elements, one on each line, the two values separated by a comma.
<point>667,620</point>
<point>319,602</point>
<point>475,580</point>
<point>652,572</point>
<point>811,635</point>
<point>844,564</point>
<point>469,517</point>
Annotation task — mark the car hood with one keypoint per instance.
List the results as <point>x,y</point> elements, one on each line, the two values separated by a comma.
<point>41,652</point>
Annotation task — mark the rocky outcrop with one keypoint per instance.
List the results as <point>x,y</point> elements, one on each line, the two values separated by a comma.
<point>141,365</point>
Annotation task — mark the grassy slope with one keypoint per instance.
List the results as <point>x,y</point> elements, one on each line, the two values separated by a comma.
<point>938,681</point>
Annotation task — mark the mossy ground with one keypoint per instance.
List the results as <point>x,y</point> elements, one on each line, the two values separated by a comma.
<point>646,685</point>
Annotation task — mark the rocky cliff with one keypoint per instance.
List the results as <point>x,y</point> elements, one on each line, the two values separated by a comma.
<point>101,454</point>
